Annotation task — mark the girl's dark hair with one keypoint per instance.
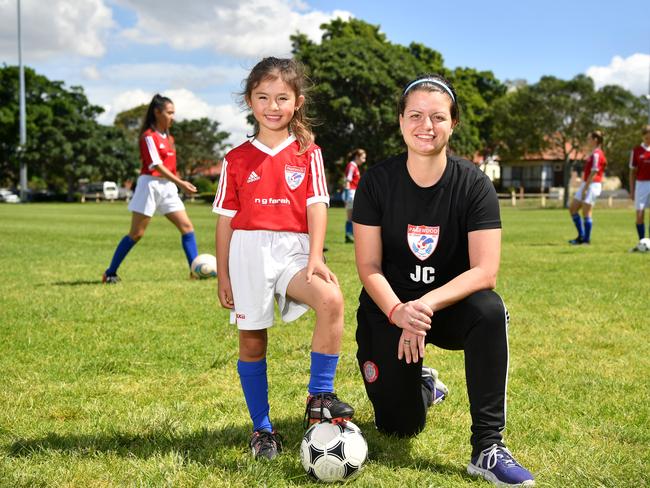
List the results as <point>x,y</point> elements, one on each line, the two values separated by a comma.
<point>158,102</point>
<point>292,73</point>
<point>432,86</point>
<point>355,153</point>
<point>597,135</point>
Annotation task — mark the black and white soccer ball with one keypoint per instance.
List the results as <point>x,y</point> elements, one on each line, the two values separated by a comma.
<point>643,245</point>
<point>333,452</point>
<point>204,266</point>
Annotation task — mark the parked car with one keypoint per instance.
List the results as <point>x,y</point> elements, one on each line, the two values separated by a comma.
<point>106,190</point>
<point>8,196</point>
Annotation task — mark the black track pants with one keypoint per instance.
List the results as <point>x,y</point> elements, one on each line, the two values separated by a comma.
<point>477,325</point>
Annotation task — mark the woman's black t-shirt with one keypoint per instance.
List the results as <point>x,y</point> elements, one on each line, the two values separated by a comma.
<point>424,230</point>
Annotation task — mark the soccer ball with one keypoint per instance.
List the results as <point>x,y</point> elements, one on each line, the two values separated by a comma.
<point>644,245</point>
<point>204,266</point>
<point>333,452</point>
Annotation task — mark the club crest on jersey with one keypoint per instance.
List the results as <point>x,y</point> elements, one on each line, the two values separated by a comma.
<point>422,240</point>
<point>294,175</point>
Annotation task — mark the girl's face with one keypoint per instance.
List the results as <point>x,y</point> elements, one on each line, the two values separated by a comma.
<point>592,143</point>
<point>165,117</point>
<point>426,123</point>
<point>361,158</point>
<point>274,103</point>
<point>646,138</point>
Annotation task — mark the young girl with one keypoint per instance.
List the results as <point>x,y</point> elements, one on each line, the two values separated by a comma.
<point>157,188</point>
<point>272,203</point>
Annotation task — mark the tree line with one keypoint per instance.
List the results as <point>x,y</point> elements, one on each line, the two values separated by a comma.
<point>357,76</point>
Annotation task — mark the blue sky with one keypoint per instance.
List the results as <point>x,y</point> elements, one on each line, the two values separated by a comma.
<point>123,51</point>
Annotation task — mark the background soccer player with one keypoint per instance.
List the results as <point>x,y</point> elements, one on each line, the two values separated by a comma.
<point>356,158</point>
<point>590,189</point>
<point>640,179</point>
<point>157,187</point>
<point>428,240</point>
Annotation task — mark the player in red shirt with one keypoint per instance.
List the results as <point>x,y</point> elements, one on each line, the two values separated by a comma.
<point>272,203</point>
<point>352,176</point>
<point>640,179</point>
<point>157,188</point>
<point>589,190</point>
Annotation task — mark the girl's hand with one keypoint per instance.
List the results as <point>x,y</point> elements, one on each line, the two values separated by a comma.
<point>318,266</point>
<point>414,317</point>
<point>188,187</point>
<point>410,347</point>
<point>225,292</point>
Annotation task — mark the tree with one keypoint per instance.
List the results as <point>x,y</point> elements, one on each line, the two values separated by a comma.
<point>555,113</point>
<point>199,143</point>
<point>358,76</point>
<point>65,142</point>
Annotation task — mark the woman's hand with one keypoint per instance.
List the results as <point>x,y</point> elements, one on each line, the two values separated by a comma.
<point>414,317</point>
<point>410,347</point>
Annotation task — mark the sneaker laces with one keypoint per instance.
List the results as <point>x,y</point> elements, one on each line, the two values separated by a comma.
<point>268,440</point>
<point>497,452</point>
<point>313,398</point>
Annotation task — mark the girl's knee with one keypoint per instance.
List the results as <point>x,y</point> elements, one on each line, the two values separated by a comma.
<point>136,235</point>
<point>330,302</point>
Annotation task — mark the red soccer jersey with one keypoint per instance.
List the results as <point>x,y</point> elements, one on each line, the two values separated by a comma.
<point>155,149</point>
<point>640,159</point>
<point>270,189</point>
<point>595,163</point>
<point>352,175</point>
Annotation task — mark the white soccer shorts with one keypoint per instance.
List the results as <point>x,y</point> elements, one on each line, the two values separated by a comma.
<point>642,194</point>
<point>154,194</point>
<point>349,199</point>
<point>594,192</point>
<point>262,263</point>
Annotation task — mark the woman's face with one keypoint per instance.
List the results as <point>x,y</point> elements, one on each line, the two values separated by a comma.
<point>165,117</point>
<point>426,123</point>
<point>592,143</point>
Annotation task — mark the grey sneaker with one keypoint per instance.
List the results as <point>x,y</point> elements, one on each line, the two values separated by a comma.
<point>265,444</point>
<point>437,389</point>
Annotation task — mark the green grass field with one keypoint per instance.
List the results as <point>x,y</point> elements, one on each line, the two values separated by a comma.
<point>136,384</point>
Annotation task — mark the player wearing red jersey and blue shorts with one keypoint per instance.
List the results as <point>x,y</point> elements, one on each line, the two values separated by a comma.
<point>589,190</point>
<point>157,187</point>
<point>357,158</point>
<point>640,179</point>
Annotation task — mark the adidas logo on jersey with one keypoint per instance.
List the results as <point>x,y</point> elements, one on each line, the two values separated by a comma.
<point>252,177</point>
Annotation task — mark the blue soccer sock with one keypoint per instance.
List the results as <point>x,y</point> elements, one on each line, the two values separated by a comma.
<point>121,251</point>
<point>189,246</point>
<point>589,223</point>
<point>255,385</point>
<point>323,370</point>
<point>348,227</point>
<point>578,223</point>
<point>640,229</point>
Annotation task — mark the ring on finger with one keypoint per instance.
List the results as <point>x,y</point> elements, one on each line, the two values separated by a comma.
<point>411,320</point>
<point>407,341</point>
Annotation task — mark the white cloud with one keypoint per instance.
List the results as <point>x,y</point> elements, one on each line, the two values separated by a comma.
<point>631,73</point>
<point>247,29</point>
<point>55,27</point>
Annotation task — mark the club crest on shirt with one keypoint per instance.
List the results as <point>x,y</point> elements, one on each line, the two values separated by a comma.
<point>294,175</point>
<point>422,240</point>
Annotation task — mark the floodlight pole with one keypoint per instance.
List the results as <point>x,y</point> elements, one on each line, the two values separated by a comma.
<point>23,129</point>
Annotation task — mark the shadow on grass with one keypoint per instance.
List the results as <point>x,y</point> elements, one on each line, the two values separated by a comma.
<point>75,283</point>
<point>224,448</point>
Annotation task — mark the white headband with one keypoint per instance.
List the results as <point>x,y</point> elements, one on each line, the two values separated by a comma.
<point>433,81</point>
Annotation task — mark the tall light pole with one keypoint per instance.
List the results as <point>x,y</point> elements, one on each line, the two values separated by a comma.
<point>23,128</point>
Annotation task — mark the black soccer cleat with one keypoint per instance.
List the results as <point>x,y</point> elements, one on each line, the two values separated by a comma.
<point>265,444</point>
<point>110,279</point>
<point>326,406</point>
<point>577,241</point>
